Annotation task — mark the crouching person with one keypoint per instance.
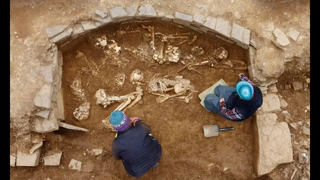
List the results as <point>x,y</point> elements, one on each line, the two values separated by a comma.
<point>134,145</point>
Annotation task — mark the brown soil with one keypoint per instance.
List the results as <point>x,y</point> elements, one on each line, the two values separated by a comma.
<point>187,154</point>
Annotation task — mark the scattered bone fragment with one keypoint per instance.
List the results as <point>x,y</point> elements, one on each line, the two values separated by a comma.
<point>119,79</point>
<point>82,112</point>
<point>173,53</point>
<point>193,40</point>
<point>78,90</point>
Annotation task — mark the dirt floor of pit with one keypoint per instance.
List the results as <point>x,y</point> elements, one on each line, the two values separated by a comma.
<point>187,154</point>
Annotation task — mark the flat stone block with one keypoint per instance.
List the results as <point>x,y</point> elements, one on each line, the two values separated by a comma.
<point>181,18</point>
<point>271,102</point>
<point>147,10</point>
<point>24,159</point>
<point>77,29</point>
<point>198,19</point>
<point>52,159</point>
<point>55,30</point>
<point>45,125</point>
<point>246,36</point>
<point>117,12</point>
<point>59,112</point>
<point>223,27</point>
<point>100,12</point>
<point>132,10</point>
<point>237,32</point>
<point>89,25</point>
<point>209,24</point>
<point>46,72</point>
<point>43,97</point>
<point>62,36</point>
<point>272,142</point>
<point>75,165</point>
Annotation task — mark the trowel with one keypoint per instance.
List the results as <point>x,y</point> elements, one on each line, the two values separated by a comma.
<point>213,130</point>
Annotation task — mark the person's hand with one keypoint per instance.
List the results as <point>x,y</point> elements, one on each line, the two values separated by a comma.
<point>221,100</point>
<point>134,120</point>
<point>241,74</point>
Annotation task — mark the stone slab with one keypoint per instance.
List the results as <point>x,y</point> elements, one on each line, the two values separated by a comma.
<point>271,102</point>
<point>52,159</point>
<point>45,125</point>
<point>55,30</point>
<point>89,25</point>
<point>44,114</point>
<point>87,166</point>
<point>209,24</point>
<point>77,29</point>
<point>59,112</point>
<point>147,10</point>
<point>68,126</point>
<point>246,36</point>
<point>117,12</point>
<point>272,143</point>
<point>198,19</point>
<point>223,27</point>
<point>132,10</point>
<point>24,159</point>
<point>293,34</point>
<point>13,160</point>
<point>47,73</point>
<point>102,13</point>
<point>103,21</point>
<point>237,32</point>
<point>181,18</point>
<point>43,97</point>
<point>62,36</point>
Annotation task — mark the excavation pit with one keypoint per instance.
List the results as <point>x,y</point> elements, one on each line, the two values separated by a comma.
<point>187,154</point>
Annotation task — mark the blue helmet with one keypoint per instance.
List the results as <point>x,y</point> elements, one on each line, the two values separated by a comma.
<point>245,90</point>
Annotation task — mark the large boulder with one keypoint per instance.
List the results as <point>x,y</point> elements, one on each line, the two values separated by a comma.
<point>269,61</point>
<point>272,143</point>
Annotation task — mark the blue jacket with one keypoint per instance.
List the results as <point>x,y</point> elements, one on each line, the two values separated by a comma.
<point>138,150</point>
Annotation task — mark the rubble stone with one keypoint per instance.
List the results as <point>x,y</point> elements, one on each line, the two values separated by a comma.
<point>198,19</point>
<point>52,159</point>
<point>45,125</point>
<point>282,40</point>
<point>306,130</point>
<point>269,27</point>
<point>101,13</point>
<point>223,27</point>
<point>132,10</point>
<point>297,86</point>
<point>102,21</point>
<point>47,73</point>
<point>270,103</point>
<point>269,61</point>
<point>147,10</point>
<point>293,34</point>
<point>24,159</point>
<point>294,125</point>
<point>35,147</point>
<point>273,143</point>
<point>273,88</point>
<point>87,166</point>
<point>283,103</point>
<point>117,12</point>
<point>13,160</point>
<point>182,18</point>
<point>55,30</point>
<point>43,97</point>
<point>95,152</point>
<point>277,32</point>
<point>62,36</point>
<point>75,165</point>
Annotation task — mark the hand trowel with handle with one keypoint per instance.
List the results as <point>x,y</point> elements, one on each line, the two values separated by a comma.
<point>213,130</point>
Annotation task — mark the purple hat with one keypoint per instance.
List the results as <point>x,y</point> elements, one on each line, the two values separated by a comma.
<point>119,120</point>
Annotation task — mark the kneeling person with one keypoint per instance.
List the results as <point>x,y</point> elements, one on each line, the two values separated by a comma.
<point>134,144</point>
